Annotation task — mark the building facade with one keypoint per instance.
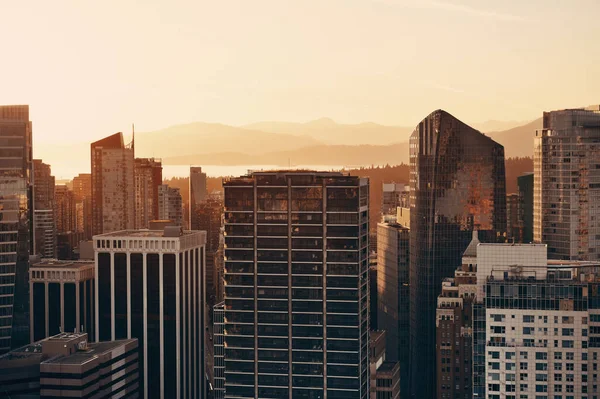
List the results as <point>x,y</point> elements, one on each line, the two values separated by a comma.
<point>394,195</point>
<point>148,177</point>
<point>198,193</point>
<point>209,218</point>
<point>542,323</point>
<point>66,365</point>
<point>16,226</point>
<point>458,184</point>
<point>150,286</point>
<point>170,206</point>
<point>393,294</point>
<point>113,187</point>
<point>82,189</point>
<point>62,297</point>
<point>45,233</point>
<point>218,351</point>
<point>296,285</point>
<point>513,221</point>
<point>454,325</point>
<point>525,184</point>
<point>567,184</point>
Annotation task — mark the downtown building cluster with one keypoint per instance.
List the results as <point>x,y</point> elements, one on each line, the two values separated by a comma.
<point>263,291</point>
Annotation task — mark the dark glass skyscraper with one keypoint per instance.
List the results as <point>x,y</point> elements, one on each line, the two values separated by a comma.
<point>457,184</point>
<point>296,286</point>
<point>16,227</point>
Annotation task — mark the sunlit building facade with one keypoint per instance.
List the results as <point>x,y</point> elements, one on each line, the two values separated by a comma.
<point>296,285</point>
<point>113,190</point>
<point>198,193</point>
<point>457,181</point>
<point>566,165</point>
<point>147,177</point>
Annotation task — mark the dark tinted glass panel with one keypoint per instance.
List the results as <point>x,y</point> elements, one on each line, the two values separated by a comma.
<point>137,307</point>
<point>54,309</point>
<point>120,260</point>
<point>70,306</point>
<point>82,307</point>
<point>153,311</point>
<point>169,306</point>
<point>90,308</point>
<point>39,311</point>
<point>104,297</point>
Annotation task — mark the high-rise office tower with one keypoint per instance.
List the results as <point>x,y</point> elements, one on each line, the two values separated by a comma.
<point>457,183</point>
<point>454,324</point>
<point>149,286</point>
<point>67,365</point>
<point>393,294</point>
<point>148,176</point>
<point>113,190</point>
<point>61,294</point>
<point>296,285</point>
<point>170,206</point>
<point>525,184</point>
<point>209,216</point>
<point>541,324</point>
<point>16,235</point>
<point>65,207</point>
<point>82,189</point>
<point>43,203</point>
<point>198,193</point>
<point>567,183</point>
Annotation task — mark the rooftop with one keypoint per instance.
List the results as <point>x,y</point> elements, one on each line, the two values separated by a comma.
<point>145,233</point>
<point>387,367</point>
<point>61,264</point>
<point>93,350</point>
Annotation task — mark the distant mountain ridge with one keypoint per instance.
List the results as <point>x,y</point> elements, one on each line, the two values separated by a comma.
<point>319,142</point>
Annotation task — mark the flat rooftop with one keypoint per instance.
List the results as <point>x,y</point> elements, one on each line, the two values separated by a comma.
<point>93,350</point>
<point>145,234</point>
<point>61,264</point>
<point>387,367</point>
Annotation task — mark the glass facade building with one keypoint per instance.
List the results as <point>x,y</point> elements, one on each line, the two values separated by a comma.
<point>457,181</point>
<point>16,224</point>
<point>566,162</point>
<point>296,286</point>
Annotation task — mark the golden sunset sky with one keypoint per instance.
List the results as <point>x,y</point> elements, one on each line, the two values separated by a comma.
<point>91,68</point>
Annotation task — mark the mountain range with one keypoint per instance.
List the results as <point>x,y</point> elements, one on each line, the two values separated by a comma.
<point>319,142</point>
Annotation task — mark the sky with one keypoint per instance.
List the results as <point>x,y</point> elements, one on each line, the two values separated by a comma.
<point>91,68</point>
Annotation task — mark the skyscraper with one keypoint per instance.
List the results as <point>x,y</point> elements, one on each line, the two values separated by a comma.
<point>567,183</point>
<point>513,221</point>
<point>16,235</point>
<point>148,176</point>
<point>170,205</point>
<point>393,294</point>
<point>296,285</point>
<point>150,286</point>
<point>82,189</point>
<point>198,193</point>
<point>113,190</point>
<point>457,183</point>
<point>209,214</point>
<point>43,201</point>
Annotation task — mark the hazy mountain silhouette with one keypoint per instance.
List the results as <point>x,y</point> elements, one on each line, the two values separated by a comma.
<point>518,141</point>
<point>496,125</point>
<point>210,138</point>
<point>339,155</point>
<point>329,132</point>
